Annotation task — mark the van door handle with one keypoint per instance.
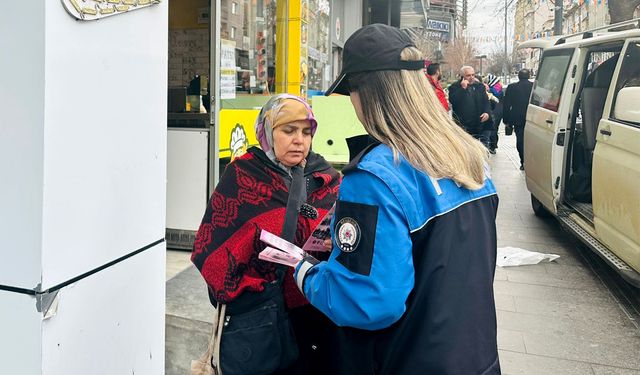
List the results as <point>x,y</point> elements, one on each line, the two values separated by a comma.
<point>549,122</point>
<point>605,132</point>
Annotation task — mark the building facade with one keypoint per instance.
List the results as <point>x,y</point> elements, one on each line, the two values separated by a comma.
<point>535,19</point>
<point>582,16</point>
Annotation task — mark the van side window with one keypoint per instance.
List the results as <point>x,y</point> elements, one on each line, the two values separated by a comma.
<point>547,89</point>
<point>627,94</point>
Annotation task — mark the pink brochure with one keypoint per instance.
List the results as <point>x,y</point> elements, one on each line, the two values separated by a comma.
<point>320,233</point>
<point>280,244</point>
<point>276,256</point>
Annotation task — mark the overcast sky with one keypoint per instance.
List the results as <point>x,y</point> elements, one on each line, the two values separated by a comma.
<point>485,25</point>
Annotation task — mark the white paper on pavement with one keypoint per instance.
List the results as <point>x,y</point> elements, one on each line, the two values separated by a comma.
<point>321,233</point>
<point>514,256</point>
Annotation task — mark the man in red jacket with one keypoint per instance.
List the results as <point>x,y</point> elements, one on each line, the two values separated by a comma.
<point>434,75</point>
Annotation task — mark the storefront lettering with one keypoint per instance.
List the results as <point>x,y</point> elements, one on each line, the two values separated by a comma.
<point>438,25</point>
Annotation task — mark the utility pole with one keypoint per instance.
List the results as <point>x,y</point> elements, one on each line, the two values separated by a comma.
<point>505,68</point>
<point>464,14</point>
<point>557,19</point>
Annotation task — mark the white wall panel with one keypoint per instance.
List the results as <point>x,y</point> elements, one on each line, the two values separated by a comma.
<point>111,322</point>
<point>21,141</point>
<point>105,138</point>
<point>20,327</point>
<point>186,178</point>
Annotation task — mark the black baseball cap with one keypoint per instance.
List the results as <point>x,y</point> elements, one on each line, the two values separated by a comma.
<point>371,48</point>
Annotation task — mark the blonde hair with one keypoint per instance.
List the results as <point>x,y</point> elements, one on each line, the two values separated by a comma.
<point>402,111</point>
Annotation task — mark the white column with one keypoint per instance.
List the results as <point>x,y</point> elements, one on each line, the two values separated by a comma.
<point>82,192</point>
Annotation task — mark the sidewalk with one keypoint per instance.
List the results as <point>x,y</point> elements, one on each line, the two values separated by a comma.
<point>553,318</point>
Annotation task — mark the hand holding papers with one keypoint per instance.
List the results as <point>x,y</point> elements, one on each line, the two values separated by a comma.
<point>320,234</point>
<point>282,252</point>
<point>276,256</point>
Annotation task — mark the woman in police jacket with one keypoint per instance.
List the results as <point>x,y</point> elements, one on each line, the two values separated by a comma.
<point>410,276</point>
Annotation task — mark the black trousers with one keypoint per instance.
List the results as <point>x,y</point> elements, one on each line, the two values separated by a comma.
<point>316,336</point>
<point>497,118</point>
<point>480,133</point>
<point>519,130</point>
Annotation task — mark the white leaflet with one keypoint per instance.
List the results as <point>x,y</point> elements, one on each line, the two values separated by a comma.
<point>281,244</point>
<point>276,256</point>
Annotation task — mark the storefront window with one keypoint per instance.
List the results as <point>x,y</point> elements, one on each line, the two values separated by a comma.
<point>247,70</point>
<point>315,45</point>
<point>247,34</point>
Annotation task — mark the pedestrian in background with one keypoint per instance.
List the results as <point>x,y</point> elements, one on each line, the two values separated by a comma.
<point>435,75</point>
<point>266,188</point>
<point>410,276</point>
<point>495,99</point>
<point>470,105</point>
<point>516,100</point>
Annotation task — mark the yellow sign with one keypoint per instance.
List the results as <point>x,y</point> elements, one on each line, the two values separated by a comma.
<point>236,131</point>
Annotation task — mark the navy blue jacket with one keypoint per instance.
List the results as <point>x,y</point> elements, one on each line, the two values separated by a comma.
<point>516,101</point>
<point>468,104</point>
<point>410,276</point>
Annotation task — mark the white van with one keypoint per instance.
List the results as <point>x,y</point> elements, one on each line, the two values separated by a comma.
<point>582,141</point>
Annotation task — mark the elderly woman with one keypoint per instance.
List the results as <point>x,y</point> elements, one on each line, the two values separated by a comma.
<point>286,189</point>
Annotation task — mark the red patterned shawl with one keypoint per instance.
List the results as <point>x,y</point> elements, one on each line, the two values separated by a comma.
<point>252,196</point>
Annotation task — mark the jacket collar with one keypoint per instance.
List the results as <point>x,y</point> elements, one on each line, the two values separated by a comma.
<point>359,146</point>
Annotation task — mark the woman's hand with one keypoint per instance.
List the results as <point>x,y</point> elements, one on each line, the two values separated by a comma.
<point>328,245</point>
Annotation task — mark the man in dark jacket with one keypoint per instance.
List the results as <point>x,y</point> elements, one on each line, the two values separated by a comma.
<point>470,105</point>
<point>516,100</point>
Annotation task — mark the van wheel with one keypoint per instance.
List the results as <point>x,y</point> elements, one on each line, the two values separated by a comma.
<point>538,209</point>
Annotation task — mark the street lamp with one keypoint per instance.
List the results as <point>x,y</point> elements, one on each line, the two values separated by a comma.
<point>480,57</point>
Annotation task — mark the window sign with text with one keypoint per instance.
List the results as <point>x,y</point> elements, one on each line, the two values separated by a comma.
<point>227,69</point>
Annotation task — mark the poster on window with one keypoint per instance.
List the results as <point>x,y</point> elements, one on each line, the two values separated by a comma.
<point>227,69</point>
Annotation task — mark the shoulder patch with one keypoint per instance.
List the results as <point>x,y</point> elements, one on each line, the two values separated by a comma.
<point>355,234</point>
<point>347,234</point>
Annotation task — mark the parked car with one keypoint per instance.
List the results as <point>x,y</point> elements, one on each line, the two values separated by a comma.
<point>582,141</point>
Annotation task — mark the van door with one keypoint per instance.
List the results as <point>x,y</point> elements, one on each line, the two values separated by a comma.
<point>616,162</point>
<point>547,115</point>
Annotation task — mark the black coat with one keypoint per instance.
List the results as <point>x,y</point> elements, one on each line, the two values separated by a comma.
<point>468,104</point>
<point>516,100</point>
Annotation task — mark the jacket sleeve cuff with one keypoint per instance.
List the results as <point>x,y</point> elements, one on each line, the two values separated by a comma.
<point>301,270</point>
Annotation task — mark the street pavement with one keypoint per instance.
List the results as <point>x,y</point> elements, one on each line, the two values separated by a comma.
<point>553,318</point>
<point>558,317</point>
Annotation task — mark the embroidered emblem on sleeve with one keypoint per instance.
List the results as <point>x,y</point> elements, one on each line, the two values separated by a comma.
<point>348,234</point>
<point>354,233</point>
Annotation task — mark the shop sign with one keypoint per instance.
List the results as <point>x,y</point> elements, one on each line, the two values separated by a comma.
<point>434,35</point>
<point>438,25</point>
<point>236,132</point>
<point>88,10</point>
<point>239,142</point>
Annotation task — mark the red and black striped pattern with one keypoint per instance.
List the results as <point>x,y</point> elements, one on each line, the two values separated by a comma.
<point>251,196</point>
